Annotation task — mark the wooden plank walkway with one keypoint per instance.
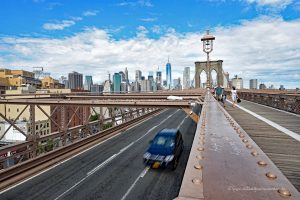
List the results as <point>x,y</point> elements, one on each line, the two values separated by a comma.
<point>282,149</point>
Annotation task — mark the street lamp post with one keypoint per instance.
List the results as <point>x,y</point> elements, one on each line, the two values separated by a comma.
<point>207,48</point>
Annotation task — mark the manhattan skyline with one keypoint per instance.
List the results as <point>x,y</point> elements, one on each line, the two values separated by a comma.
<point>256,39</point>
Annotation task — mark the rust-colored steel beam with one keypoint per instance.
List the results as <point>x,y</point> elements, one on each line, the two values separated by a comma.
<point>225,163</point>
<point>105,103</point>
<point>49,117</point>
<point>138,97</point>
<point>269,91</point>
<point>13,122</point>
<point>157,93</point>
<point>287,102</point>
<point>13,148</point>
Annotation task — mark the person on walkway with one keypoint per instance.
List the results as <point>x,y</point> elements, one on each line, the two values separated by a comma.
<point>234,96</point>
<point>224,97</point>
<point>219,92</point>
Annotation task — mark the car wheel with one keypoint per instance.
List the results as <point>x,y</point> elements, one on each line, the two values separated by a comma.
<point>175,163</point>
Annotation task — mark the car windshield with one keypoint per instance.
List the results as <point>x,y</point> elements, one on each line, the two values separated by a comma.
<point>163,141</point>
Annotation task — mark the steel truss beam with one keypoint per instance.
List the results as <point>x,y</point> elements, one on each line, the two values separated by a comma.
<point>102,103</point>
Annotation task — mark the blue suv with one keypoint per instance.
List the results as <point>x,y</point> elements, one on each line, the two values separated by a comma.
<point>165,149</point>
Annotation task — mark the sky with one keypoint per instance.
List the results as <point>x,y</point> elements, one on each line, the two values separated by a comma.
<point>256,39</point>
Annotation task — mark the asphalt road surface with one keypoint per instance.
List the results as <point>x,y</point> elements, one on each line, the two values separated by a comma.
<point>114,169</point>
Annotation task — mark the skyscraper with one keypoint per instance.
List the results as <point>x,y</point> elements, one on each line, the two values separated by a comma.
<point>126,75</point>
<point>158,78</point>
<point>122,74</point>
<point>88,83</point>
<point>145,86</point>
<point>75,80</point>
<point>117,82</point>
<point>151,81</point>
<point>138,75</point>
<point>177,84</point>
<point>169,74</point>
<point>253,84</point>
<point>186,78</point>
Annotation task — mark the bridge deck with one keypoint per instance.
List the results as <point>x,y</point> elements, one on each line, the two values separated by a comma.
<point>282,149</point>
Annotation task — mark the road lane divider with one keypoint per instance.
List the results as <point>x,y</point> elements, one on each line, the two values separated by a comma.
<point>141,175</point>
<point>182,122</point>
<point>101,165</point>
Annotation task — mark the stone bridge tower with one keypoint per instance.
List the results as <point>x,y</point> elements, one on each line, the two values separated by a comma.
<point>214,65</point>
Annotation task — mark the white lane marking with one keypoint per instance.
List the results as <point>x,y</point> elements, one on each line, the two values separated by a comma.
<point>271,123</point>
<point>273,108</point>
<point>181,123</point>
<point>69,189</point>
<point>125,148</point>
<point>156,126</point>
<point>100,166</point>
<point>142,174</point>
<point>109,159</point>
<point>59,163</point>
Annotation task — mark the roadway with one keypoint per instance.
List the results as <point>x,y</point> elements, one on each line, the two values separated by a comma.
<point>114,168</point>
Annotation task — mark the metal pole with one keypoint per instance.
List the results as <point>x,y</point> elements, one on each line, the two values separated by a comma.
<point>33,130</point>
<point>208,72</point>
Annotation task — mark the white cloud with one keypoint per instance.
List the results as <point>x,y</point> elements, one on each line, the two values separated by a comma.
<point>76,18</point>
<point>141,31</point>
<point>156,29</point>
<point>58,25</point>
<point>281,4</point>
<point>141,3</point>
<point>150,19</point>
<point>265,48</point>
<point>53,5</point>
<point>90,13</point>
<point>146,3</point>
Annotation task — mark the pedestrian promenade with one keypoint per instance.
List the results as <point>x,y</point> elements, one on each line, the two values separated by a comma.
<point>276,132</point>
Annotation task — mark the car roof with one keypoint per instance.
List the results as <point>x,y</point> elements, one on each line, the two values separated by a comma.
<point>167,132</point>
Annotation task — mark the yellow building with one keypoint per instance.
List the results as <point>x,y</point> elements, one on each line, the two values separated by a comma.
<point>17,78</point>
<point>3,85</point>
<point>49,83</point>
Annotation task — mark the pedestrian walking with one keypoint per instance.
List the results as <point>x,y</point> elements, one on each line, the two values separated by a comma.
<point>224,97</point>
<point>219,92</point>
<point>234,96</point>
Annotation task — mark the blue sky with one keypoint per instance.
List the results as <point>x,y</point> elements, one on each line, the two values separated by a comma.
<point>97,36</point>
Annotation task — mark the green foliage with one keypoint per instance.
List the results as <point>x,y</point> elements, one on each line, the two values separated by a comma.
<point>45,147</point>
<point>94,117</point>
<point>107,125</point>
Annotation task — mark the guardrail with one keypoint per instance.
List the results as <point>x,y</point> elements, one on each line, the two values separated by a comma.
<point>287,102</point>
<point>20,152</point>
<point>27,168</point>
